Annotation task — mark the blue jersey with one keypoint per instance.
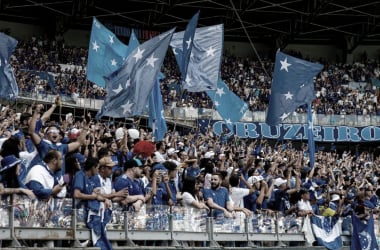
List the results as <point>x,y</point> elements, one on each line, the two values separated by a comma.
<point>134,186</point>
<point>219,196</point>
<point>158,198</point>
<point>45,146</point>
<point>86,186</point>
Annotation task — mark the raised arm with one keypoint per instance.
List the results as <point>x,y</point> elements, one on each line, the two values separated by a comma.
<point>32,125</point>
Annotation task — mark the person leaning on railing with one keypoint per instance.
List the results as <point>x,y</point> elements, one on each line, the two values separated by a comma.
<point>131,180</point>
<point>9,171</point>
<point>41,178</point>
<point>89,196</point>
<point>189,197</point>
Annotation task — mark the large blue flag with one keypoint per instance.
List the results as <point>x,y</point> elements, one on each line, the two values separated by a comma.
<point>326,231</point>
<point>205,59</point>
<point>133,82</point>
<point>292,86</point>
<point>230,107</point>
<point>363,235</point>
<point>310,134</point>
<point>8,84</point>
<point>187,44</point>
<point>157,119</point>
<point>106,53</point>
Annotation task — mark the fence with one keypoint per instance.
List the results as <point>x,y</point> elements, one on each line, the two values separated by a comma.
<point>25,219</point>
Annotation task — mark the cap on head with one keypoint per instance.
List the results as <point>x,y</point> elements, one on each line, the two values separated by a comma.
<point>8,162</point>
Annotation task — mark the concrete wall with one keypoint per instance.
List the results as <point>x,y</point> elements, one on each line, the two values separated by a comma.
<point>372,51</point>
<point>77,38</point>
<point>22,31</point>
<point>314,52</point>
<point>244,49</point>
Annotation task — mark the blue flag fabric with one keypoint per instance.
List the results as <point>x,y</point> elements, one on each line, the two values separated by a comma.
<point>292,86</point>
<point>8,84</point>
<point>326,231</point>
<point>187,44</point>
<point>157,119</point>
<point>310,134</point>
<point>51,82</point>
<point>133,82</point>
<point>230,107</point>
<point>363,235</point>
<point>205,59</point>
<point>106,53</point>
<point>133,43</point>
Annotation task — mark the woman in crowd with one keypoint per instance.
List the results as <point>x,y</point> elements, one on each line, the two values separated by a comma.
<point>189,194</point>
<point>9,171</point>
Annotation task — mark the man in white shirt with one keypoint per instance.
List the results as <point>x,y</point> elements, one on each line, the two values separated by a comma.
<point>303,205</point>
<point>237,193</point>
<point>41,178</point>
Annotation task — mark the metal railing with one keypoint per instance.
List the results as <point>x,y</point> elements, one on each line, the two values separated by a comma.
<point>25,219</point>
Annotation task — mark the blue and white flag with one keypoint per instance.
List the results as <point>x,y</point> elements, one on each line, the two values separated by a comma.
<point>157,121</point>
<point>363,235</point>
<point>327,231</point>
<point>133,82</point>
<point>310,134</point>
<point>230,107</point>
<point>106,53</point>
<point>8,84</point>
<point>187,44</point>
<point>133,43</point>
<point>292,86</point>
<point>206,55</point>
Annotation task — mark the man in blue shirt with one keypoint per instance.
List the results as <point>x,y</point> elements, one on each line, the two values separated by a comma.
<point>94,203</point>
<point>217,198</point>
<point>131,180</point>
<point>53,140</point>
<point>175,194</point>
<point>41,178</point>
<point>158,188</point>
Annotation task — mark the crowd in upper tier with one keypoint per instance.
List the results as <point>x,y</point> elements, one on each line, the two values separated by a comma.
<point>341,88</point>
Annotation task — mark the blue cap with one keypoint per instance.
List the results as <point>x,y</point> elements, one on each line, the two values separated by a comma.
<point>158,166</point>
<point>80,157</point>
<point>19,135</point>
<point>9,161</point>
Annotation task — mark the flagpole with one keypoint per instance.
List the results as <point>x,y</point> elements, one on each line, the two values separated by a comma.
<point>180,99</point>
<point>85,97</point>
<point>212,113</point>
<point>249,38</point>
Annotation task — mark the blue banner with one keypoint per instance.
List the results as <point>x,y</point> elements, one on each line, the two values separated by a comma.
<point>294,131</point>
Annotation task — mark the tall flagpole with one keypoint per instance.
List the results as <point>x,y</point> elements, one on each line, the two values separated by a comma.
<point>310,135</point>
<point>249,38</point>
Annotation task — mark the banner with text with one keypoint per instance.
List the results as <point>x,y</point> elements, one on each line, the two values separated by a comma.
<point>293,131</point>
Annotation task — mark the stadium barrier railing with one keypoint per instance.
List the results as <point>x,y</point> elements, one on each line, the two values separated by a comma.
<point>25,219</point>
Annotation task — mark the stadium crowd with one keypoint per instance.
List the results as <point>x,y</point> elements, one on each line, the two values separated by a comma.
<point>98,164</point>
